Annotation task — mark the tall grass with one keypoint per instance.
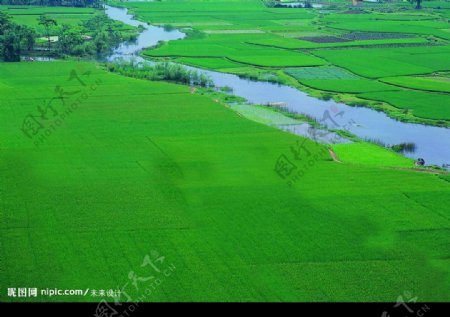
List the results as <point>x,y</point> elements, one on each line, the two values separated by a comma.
<point>404,147</point>
<point>160,71</point>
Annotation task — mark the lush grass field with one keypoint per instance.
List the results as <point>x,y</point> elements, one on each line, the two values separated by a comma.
<point>234,48</point>
<point>142,166</point>
<point>423,104</point>
<point>369,154</point>
<point>263,115</point>
<point>348,85</point>
<point>209,62</point>
<point>290,43</point>
<point>427,83</point>
<point>386,62</point>
<point>412,22</point>
<point>336,79</point>
<point>29,15</point>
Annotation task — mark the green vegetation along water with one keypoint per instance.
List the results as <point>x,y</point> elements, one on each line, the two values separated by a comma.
<point>249,38</point>
<point>32,32</point>
<point>105,178</point>
<point>430,143</point>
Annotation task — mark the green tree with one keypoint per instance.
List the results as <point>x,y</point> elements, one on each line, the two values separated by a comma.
<point>418,3</point>
<point>11,47</point>
<point>13,38</point>
<point>47,23</point>
<point>4,20</point>
<point>101,41</point>
<point>68,39</point>
<point>28,38</point>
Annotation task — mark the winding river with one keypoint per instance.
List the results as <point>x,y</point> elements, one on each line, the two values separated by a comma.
<point>432,143</point>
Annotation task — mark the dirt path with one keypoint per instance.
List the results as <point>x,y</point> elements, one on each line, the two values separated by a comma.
<point>333,155</point>
<point>422,170</point>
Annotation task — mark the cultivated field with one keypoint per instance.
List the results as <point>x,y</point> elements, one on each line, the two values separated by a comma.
<point>379,47</point>
<point>110,182</point>
<point>140,166</point>
<point>29,15</point>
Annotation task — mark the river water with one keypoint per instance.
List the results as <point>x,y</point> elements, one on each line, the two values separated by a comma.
<point>432,143</point>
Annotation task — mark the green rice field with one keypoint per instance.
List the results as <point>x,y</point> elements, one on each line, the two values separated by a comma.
<point>142,166</point>
<point>171,192</point>
<point>29,15</point>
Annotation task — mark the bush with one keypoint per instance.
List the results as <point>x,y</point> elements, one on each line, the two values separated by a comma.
<point>161,71</point>
<point>404,147</point>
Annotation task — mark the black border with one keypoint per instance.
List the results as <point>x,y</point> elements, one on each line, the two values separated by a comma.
<point>294,309</point>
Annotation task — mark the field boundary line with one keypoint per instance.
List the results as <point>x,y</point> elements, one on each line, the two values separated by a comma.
<point>158,147</point>
<point>409,88</point>
<point>421,170</point>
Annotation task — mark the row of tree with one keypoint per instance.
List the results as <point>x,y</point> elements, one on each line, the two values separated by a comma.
<point>53,3</point>
<point>94,36</point>
<point>14,39</point>
<point>161,71</point>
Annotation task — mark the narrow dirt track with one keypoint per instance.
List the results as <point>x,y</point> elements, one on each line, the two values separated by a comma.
<point>421,170</point>
<point>333,155</point>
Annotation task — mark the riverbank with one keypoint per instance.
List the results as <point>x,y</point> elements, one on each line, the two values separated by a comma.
<point>151,36</point>
<point>280,77</point>
<point>362,122</point>
<point>214,46</point>
<point>104,174</point>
